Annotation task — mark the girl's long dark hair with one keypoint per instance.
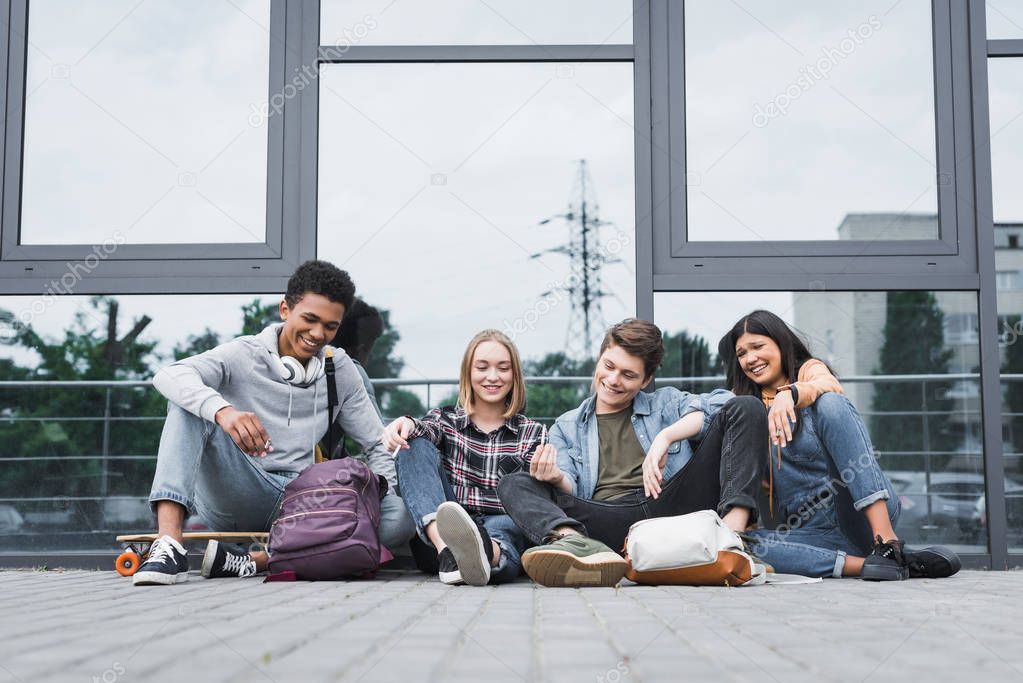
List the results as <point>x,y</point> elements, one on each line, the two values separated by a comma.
<point>793,350</point>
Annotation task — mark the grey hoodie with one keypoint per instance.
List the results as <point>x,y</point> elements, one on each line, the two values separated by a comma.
<point>242,373</point>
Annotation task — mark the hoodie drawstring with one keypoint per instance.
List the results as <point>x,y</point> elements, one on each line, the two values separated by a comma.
<point>316,396</point>
<point>291,395</point>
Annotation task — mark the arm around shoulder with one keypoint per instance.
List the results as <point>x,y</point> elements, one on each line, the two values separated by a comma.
<point>815,379</point>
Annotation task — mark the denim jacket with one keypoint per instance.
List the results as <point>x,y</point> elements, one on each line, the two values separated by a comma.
<point>574,435</point>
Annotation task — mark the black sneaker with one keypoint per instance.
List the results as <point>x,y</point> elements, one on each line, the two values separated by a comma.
<point>468,541</point>
<point>448,572</point>
<point>934,562</point>
<point>886,562</point>
<point>219,563</point>
<point>165,564</point>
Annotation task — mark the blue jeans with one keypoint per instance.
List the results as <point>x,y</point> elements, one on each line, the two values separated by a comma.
<point>828,475</point>
<point>425,485</point>
<point>199,467</point>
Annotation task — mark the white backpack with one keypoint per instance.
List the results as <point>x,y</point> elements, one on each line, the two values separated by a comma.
<point>697,549</point>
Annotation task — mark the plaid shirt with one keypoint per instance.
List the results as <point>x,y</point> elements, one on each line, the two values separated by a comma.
<point>474,460</point>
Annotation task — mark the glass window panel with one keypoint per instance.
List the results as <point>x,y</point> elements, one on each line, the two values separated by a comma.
<point>801,119</point>
<point>63,486</point>
<point>467,22</point>
<point>143,121</point>
<point>926,432</point>
<point>1006,98</point>
<point>457,218</point>
<point>1005,88</point>
<point>1004,19</point>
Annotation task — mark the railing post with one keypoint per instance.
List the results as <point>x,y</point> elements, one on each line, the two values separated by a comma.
<point>104,478</point>
<point>927,451</point>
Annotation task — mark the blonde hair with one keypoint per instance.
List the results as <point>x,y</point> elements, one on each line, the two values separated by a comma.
<point>515,402</point>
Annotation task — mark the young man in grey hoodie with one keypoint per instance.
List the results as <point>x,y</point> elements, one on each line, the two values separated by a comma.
<point>243,420</point>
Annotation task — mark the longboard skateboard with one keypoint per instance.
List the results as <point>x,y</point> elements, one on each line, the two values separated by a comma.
<point>137,545</point>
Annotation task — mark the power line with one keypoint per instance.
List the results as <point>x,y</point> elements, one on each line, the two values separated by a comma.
<point>587,255</point>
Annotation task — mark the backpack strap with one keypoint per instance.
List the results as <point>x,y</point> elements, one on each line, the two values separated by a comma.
<point>331,402</point>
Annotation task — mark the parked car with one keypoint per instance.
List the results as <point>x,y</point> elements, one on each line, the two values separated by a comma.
<point>1013,513</point>
<point>943,510</point>
<point>11,520</point>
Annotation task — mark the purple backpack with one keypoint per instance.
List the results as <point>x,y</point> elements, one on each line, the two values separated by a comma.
<point>327,526</point>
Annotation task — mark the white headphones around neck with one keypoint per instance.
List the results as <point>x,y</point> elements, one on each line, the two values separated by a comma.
<point>293,372</point>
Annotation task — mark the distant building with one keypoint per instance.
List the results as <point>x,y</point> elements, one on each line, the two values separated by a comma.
<point>846,329</point>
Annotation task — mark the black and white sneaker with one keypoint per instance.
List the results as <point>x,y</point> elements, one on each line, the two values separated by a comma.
<point>448,572</point>
<point>468,541</point>
<point>219,563</point>
<point>165,564</point>
<point>886,562</point>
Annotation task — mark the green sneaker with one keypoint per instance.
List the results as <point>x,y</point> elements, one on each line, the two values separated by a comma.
<point>574,561</point>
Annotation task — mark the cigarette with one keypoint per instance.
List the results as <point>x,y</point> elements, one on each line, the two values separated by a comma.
<point>266,445</point>
<point>396,449</point>
<point>543,435</point>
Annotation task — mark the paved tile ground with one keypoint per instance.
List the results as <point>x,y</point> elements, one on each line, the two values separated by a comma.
<point>95,626</point>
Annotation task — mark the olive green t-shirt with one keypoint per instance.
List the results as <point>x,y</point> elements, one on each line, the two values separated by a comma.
<point>620,464</point>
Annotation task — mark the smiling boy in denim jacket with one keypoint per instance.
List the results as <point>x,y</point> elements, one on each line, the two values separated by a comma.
<point>624,455</point>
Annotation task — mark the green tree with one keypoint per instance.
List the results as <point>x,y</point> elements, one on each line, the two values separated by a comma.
<point>195,344</point>
<point>256,316</point>
<point>383,363</point>
<point>402,402</point>
<point>90,349</point>
<point>545,402</point>
<point>913,344</point>
<point>686,356</point>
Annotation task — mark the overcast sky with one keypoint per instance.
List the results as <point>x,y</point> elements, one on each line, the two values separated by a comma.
<point>434,178</point>
<point>798,114</point>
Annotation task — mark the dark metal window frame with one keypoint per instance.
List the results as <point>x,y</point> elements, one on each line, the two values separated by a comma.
<point>173,268</point>
<point>994,465</point>
<point>948,262</point>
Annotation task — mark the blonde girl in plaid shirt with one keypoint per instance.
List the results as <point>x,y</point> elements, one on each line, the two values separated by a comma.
<point>450,461</point>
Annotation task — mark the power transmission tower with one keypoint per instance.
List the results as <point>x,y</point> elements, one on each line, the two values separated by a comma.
<point>587,255</point>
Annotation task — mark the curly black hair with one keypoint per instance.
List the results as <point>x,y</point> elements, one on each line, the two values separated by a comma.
<point>320,277</point>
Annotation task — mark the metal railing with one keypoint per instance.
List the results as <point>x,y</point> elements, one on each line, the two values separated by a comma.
<point>967,412</point>
<point>698,383</point>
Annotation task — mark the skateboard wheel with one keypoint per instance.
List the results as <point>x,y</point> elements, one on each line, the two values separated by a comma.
<point>127,563</point>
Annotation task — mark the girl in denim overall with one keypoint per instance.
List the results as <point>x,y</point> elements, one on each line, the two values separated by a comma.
<point>837,508</point>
